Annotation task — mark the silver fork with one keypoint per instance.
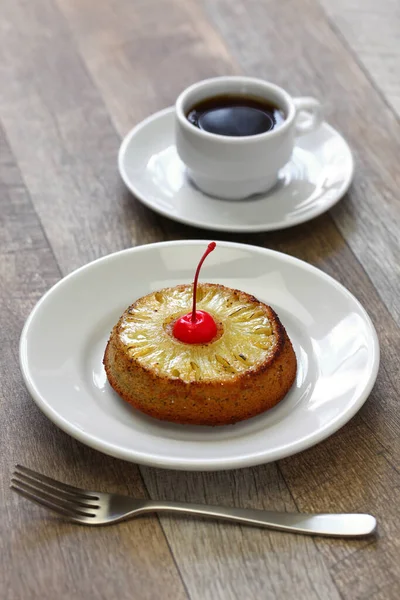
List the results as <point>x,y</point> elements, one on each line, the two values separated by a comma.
<point>98,508</point>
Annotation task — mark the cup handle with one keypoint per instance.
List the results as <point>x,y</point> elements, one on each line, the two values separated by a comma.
<point>308,115</point>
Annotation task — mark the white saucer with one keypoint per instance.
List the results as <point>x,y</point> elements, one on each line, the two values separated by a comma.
<point>318,175</point>
<point>63,342</point>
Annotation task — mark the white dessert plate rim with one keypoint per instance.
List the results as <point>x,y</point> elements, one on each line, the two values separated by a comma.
<point>185,447</point>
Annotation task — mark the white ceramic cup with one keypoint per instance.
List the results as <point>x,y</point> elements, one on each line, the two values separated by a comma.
<point>238,167</point>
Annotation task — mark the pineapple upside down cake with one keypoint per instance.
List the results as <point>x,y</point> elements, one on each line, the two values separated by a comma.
<point>227,360</point>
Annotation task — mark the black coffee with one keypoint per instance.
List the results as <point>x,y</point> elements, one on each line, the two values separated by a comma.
<point>236,115</point>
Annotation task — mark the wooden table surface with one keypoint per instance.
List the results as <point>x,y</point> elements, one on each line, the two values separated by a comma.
<point>75,76</point>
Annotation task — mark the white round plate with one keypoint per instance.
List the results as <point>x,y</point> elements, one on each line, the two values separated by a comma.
<point>64,338</point>
<point>318,175</point>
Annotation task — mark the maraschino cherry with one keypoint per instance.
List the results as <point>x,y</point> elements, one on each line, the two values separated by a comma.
<point>197,327</point>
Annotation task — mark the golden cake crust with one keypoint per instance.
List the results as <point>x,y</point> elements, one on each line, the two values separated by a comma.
<point>217,401</point>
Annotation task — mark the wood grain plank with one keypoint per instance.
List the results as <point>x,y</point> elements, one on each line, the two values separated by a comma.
<point>227,561</point>
<point>66,146</point>
<point>43,557</point>
<point>372,31</point>
<point>141,58</point>
<point>350,472</point>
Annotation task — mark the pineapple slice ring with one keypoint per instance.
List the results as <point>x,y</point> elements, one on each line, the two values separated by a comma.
<point>245,369</point>
<point>244,334</point>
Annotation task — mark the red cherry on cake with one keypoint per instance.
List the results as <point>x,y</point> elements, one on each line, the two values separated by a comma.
<point>200,331</point>
<point>197,327</point>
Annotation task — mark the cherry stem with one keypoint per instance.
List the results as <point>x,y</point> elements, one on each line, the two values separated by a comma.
<point>210,248</point>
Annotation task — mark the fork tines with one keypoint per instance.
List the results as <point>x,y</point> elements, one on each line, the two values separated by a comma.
<point>71,502</point>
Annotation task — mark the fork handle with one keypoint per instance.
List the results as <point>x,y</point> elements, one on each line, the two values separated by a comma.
<point>329,524</point>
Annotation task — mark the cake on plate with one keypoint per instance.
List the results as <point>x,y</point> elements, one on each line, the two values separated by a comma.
<point>227,360</point>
